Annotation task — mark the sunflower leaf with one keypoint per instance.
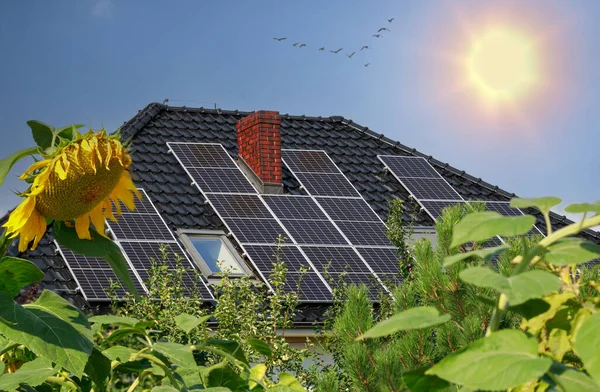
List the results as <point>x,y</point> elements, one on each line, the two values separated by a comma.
<point>7,163</point>
<point>16,273</point>
<point>68,132</point>
<point>43,134</point>
<point>98,246</point>
<point>50,327</point>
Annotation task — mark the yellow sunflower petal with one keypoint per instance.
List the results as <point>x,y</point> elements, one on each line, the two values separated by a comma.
<point>75,153</point>
<point>58,168</point>
<point>108,211</point>
<point>40,227</point>
<point>39,184</point>
<point>19,217</point>
<point>34,167</point>
<point>108,155</point>
<point>82,227</point>
<point>97,218</point>
<point>65,162</point>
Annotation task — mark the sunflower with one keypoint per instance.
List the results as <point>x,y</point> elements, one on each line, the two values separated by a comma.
<point>79,182</point>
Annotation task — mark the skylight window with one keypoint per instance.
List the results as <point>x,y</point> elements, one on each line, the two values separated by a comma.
<point>213,253</point>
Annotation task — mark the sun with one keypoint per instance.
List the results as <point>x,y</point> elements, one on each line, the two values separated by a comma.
<point>502,65</point>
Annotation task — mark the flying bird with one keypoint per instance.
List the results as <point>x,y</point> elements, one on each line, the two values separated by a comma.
<point>350,55</point>
<point>383,29</point>
<point>280,39</point>
<point>377,35</point>
<point>391,20</point>
<point>296,44</point>
<point>336,51</point>
<point>323,48</point>
<point>365,47</point>
<point>301,45</point>
<point>367,64</point>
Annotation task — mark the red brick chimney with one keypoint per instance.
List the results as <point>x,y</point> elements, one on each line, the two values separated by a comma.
<point>259,145</point>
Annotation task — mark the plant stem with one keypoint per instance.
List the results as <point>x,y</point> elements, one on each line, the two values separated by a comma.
<point>62,382</point>
<point>160,363</point>
<point>8,348</point>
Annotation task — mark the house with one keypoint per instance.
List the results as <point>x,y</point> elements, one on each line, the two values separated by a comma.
<point>221,184</point>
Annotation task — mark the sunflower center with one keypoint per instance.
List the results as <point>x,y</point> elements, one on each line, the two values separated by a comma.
<point>83,189</point>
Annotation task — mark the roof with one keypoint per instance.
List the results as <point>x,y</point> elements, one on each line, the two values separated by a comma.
<point>352,147</point>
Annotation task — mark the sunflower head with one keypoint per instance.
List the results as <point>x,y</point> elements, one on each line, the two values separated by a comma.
<point>78,180</point>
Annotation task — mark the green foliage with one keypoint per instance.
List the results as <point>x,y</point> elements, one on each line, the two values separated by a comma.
<point>17,273</point>
<point>7,163</point>
<point>556,347</point>
<point>414,318</point>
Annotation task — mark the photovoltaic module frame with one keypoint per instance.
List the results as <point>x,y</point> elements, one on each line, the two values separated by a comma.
<point>433,192</point>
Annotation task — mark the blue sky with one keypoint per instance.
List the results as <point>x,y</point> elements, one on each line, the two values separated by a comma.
<point>100,61</point>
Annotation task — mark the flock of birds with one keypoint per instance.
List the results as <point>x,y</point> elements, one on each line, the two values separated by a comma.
<point>337,51</point>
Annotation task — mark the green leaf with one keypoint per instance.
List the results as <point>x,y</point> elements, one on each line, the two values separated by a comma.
<point>1,368</point>
<point>114,320</point>
<point>418,381</point>
<point>7,163</point>
<point>97,368</point>
<point>226,377</point>
<point>558,344</point>
<point>98,246</point>
<point>485,253</point>
<point>230,347</point>
<point>415,318</point>
<point>543,204</point>
<point>580,208</point>
<point>531,284</point>
<point>68,131</point>
<point>485,277</point>
<point>119,353</point>
<point>187,322</point>
<point>532,308</point>
<point>569,379</point>
<point>42,133</point>
<point>178,354</point>
<point>503,360</point>
<point>260,347</point>
<point>587,345</point>
<point>257,373</point>
<point>571,251</point>
<point>482,226</point>
<point>519,288</point>
<point>122,333</point>
<point>31,373</point>
<point>16,273</point>
<point>50,327</point>
<point>164,388</point>
<point>286,379</point>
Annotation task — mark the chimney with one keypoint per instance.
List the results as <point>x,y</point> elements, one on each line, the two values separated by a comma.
<point>259,148</point>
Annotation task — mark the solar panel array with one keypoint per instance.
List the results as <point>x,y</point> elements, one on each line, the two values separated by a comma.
<point>433,192</point>
<point>140,235</point>
<point>323,229</point>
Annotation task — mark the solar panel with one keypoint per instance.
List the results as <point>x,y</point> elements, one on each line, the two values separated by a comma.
<point>335,259</point>
<point>308,286</point>
<point>239,206</point>
<point>202,155</point>
<point>325,184</point>
<point>294,207</point>
<point>256,231</point>
<point>381,260</point>
<point>309,161</point>
<point>338,280</point>
<point>409,167</point>
<point>264,256</point>
<point>430,188</point>
<point>436,207</point>
<point>143,255</point>
<point>503,208</point>
<point>221,180</point>
<point>390,280</point>
<point>143,206</point>
<point>131,227</point>
<point>314,232</point>
<point>365,233</point>
<point>348,209</point>
<point>93,275</point>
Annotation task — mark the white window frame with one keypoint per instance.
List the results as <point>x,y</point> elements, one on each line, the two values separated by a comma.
<point>185,234</point>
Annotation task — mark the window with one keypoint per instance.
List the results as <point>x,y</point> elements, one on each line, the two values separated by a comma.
<point>209,248</point>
